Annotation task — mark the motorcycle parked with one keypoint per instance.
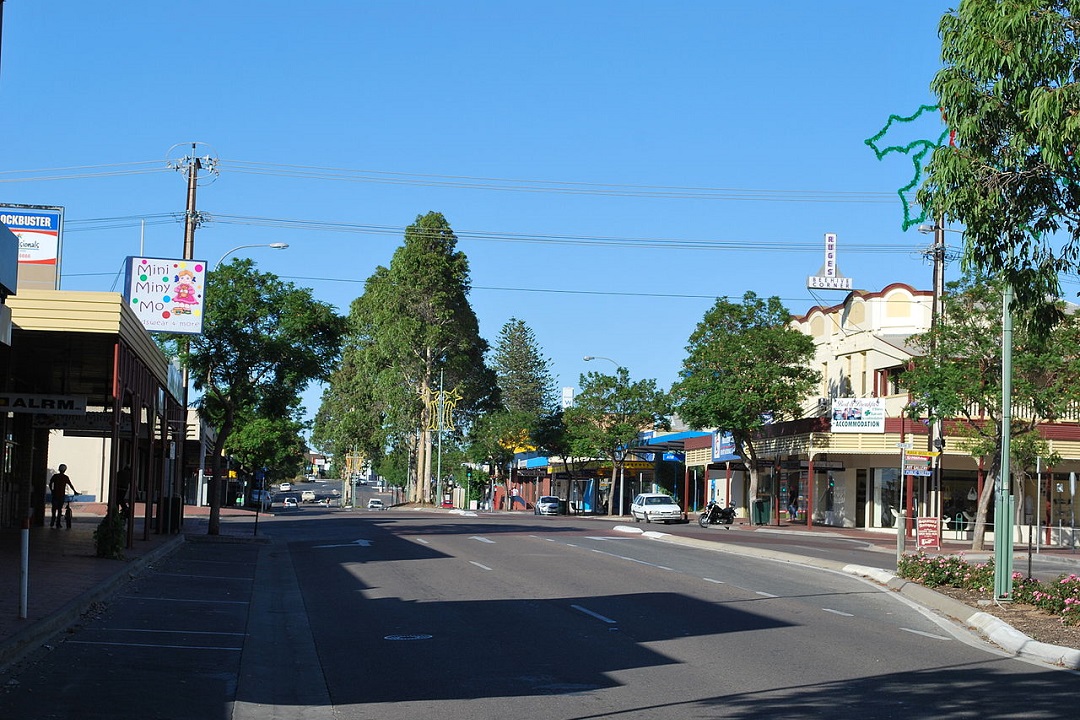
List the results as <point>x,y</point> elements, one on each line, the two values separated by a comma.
<point>716,514</point>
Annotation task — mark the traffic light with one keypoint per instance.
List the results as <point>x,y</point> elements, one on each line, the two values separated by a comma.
<point>468,473</point>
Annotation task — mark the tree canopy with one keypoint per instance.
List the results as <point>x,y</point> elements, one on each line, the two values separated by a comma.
<point>264,341</point>
<point>745,366</point>
<point>521,370</point>
<point>411,331</point>
<point>1009,93</point>
<point>609,413</point>
<point>526,394</point>
<point>959,378</point>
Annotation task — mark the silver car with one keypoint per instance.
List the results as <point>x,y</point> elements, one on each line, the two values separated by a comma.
<point>655,507</point>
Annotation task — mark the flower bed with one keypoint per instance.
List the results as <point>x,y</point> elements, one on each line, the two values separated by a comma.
<point>1060,597</point>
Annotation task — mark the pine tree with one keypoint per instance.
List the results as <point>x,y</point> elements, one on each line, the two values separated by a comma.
<point>412,330</point>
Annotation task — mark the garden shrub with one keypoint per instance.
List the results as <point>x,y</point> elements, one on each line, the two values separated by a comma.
<point>110,536</point>
<point>1060,597</point>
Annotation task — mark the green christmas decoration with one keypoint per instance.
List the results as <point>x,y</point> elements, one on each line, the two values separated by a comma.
<point>917,150</point>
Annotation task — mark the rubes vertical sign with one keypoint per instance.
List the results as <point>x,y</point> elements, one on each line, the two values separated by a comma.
<point>829,277</point>
<point>168,295</point>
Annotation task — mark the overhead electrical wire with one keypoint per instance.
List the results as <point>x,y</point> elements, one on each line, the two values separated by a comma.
<point>553,186</point>
<point>79,172</point>
<point>311,172</point>
<point>492,236</point>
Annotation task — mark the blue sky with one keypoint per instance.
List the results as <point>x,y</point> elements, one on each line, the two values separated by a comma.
<point>560,139</point>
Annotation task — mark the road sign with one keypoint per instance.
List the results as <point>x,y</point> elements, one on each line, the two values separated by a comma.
<point>905,445</point>
<point>918,464</point>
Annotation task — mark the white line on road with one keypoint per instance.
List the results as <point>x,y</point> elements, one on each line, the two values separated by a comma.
<point>590,613</point>
<point>837,612</point>
<point>175,632</point>
<point>718,582</point>
<point>354,543</point>
<point>184,600</point>
<point>764,594</point>
<point>926,634</point>
<point>484,567</point>
<point>422,541</point>
<point>146,645</point>
<point>482,539</point>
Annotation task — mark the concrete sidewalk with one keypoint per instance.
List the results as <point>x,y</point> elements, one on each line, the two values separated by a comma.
<point>65,578</point>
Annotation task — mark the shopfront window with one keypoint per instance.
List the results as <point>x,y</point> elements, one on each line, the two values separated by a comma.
<point>885,499</point>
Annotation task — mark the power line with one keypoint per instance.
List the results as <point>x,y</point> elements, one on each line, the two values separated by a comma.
<point>546,291</point>
<point>296,225</point>
<point>469,182</point>
<point>79,172</point>
<point>555,186</point>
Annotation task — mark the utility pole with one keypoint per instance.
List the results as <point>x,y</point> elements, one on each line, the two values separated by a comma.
<point>190,165</point>
<point>936,440</point>
<point>1003,499</point>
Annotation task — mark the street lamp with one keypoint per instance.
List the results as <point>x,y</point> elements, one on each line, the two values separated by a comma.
<point>587,358</point>
<point>273,246</point>
<point>1003,505</point>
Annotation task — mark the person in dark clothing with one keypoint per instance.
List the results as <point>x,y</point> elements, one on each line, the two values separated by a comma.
<point>123,487</point>
<point>58,485</point>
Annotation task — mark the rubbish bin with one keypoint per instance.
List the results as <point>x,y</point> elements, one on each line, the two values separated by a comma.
<point>564,508</point>
<point>171,508</point>
<point>761,511</point>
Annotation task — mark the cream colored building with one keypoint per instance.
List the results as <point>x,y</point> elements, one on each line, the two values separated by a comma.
<point>854,479</point>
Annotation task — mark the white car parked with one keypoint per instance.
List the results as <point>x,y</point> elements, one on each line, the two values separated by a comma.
<point>655,507</point>
<point>375,504</point>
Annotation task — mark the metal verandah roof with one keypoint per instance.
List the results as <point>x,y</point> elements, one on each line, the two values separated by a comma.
<point>671,442</point>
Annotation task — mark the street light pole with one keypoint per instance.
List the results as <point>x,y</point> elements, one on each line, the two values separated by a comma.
<point>273,246</point>
<point>1004,502</point>
<point>588,358</point>
<point>622,488</point>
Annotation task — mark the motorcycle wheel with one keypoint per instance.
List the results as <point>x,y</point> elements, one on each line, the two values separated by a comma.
<point>703,521</point>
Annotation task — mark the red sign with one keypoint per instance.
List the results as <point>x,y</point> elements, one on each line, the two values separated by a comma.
<point>927,533</point>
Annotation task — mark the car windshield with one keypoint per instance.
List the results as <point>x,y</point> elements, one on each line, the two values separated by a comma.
<point>549,499</point>
<point>659,501</point>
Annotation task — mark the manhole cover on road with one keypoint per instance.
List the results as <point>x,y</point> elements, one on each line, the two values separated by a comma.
<point>408,637</point>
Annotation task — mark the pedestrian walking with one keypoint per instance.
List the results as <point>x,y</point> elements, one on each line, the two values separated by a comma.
<point>58,484</point>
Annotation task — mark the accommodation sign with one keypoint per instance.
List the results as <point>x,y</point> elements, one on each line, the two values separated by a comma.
<point>858,415</point>
<point>41,404</point>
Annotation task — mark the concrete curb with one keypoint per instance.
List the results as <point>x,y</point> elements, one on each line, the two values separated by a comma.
<point>37,633</point>
<point>994,630</point>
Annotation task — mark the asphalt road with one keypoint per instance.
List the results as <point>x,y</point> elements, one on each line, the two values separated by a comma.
<point>404,614</point>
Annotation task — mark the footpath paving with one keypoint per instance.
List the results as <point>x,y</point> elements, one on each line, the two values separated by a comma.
<point>66,578</point>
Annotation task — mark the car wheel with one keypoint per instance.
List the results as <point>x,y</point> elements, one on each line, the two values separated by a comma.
<point>647,518</point>
<point>636,518</point>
